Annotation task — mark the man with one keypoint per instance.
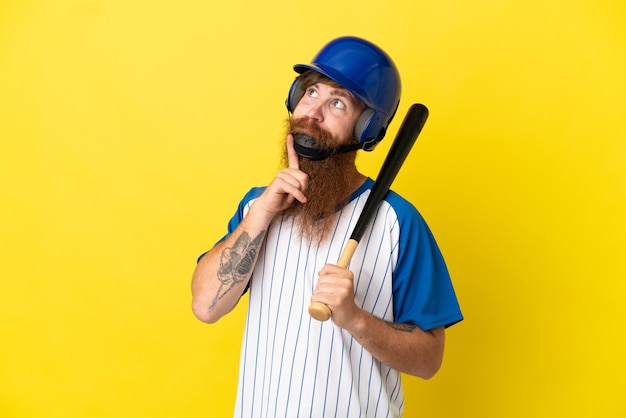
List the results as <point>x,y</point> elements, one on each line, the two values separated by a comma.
<point>389,307</point>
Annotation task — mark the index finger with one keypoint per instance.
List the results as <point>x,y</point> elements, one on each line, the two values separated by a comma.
<point>292,155</point>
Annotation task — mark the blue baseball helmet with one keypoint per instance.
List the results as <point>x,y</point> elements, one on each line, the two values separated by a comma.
<point>368,73</point>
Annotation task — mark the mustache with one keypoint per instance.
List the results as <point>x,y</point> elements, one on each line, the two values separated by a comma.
<point>311,129</point>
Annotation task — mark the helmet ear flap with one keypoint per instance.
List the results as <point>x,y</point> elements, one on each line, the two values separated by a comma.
<point>362,123</point>
<point>364,129</point>
<point>295,94</point>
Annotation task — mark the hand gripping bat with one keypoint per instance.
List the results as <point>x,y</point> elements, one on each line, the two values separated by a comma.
<point>405,138</point>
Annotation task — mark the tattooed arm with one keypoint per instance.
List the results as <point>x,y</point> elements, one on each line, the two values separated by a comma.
<point>223,273</point>
<point>404,347</point>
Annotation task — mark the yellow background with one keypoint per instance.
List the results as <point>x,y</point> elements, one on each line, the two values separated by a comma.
<point>130,129</point>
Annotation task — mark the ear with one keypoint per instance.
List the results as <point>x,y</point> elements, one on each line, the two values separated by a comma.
<point>295,94</point>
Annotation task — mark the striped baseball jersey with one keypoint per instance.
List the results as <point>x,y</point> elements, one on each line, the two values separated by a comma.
<point>294,366</point>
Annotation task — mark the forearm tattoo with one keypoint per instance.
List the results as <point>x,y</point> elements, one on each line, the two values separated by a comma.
<point>402,327</point>
<point>236,264</point>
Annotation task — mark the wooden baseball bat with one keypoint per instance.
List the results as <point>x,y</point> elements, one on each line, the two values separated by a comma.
<point>405,138</point>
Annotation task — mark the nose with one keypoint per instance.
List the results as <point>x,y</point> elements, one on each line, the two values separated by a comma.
<point>315,112</point>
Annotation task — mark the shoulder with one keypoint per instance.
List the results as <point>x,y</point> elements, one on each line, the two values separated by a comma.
<point>252,194</point>
<point>396,201</point>
<point>401,205</point>
<point>405,212</point>
<point>244,205</point>
<point>248,198</point>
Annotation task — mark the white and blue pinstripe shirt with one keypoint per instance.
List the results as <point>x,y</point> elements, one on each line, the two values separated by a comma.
<point>294,366</point>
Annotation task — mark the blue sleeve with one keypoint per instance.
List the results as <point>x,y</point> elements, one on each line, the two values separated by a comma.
<point>422,288</point>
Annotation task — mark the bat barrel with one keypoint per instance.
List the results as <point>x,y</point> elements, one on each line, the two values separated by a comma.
<point>410,129</point>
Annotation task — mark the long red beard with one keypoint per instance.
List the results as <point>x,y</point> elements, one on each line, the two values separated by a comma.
<point>331,181</point>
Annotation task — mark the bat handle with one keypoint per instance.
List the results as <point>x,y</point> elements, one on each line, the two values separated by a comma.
<point>319,310</point>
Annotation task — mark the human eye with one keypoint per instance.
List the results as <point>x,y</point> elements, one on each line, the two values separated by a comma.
<point>311,92</point>
<point>338,104</point>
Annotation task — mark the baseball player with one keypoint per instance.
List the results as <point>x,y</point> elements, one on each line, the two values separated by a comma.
<point>390,307</point>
